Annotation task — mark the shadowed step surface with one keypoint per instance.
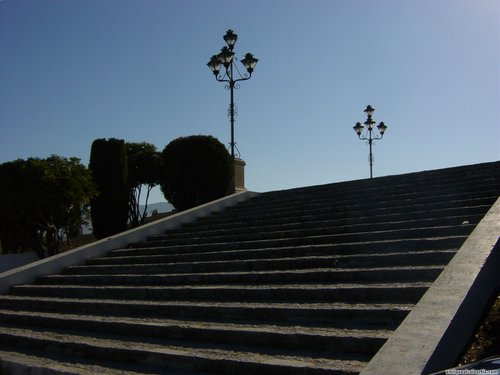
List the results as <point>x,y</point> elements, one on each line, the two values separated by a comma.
<point>303,281</point>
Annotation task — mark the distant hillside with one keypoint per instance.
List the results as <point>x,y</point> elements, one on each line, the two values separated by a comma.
<point>160,207</point>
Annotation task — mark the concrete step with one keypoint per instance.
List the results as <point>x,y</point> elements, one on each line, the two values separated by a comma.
<point>330,342</point>
<point>439,180</point>
<point>318,235</point>
<point>189,253</point>
<point>343,219</point>
<point>339,218</point>
<point>306,275</point>
<point>386,235</point>
<point>258,206</point>
<point>300,293</point>
<point>171,356</point>
<point>355,202</point>
<point>340,315</point>
<point>198,233</point>
<point>272,264</point>
<point>422,257</point>
<point>411,185</point>
<point>21,361</point>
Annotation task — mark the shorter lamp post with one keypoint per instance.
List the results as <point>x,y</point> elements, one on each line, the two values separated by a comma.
<point>368,135</point>
<point>226,57</point>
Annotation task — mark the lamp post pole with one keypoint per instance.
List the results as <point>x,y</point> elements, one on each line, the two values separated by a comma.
<point>226,57</point>
<point>368,135</point>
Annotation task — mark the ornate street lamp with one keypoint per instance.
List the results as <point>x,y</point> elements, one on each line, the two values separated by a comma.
<point>226,58</point>
<point>368,135</point>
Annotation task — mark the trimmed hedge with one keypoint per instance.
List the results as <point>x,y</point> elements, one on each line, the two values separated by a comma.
<point>196,170</point>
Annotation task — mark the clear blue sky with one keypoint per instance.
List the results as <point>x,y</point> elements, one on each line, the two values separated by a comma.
<point>72,71</point>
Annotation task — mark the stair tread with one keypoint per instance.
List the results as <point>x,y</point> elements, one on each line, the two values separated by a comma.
<point>198,227</point>
<point>253,255</point>
<point>224,240</point>
<point>271,275</point>
<point>65,365</point>
<point>160,265</point>
<point>230,327</point>
<point>302,221</point>
<point>242,287</point>
<point>208,304</point>
<point>193,353</point>
<point>294,271</point>
<point>182,248</point>
<point>269,251</point>
<point>325,229</point>
<point>356,210</point>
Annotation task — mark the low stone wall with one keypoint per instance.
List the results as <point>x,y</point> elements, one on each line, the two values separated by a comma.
<point>10,261</point>
<point>28,273</point>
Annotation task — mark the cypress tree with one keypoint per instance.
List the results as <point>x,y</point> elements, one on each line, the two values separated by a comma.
<point>109,210</point>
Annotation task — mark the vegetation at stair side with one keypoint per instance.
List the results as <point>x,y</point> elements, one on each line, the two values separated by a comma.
<point>486,341</point>
<point>196,169</point>
<point>109,209</point>
<point>144,170</point>
<point>43,202</point>
<point>118,166</point>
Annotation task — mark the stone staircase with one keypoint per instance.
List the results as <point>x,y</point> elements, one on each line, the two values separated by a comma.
<point>302,281</point>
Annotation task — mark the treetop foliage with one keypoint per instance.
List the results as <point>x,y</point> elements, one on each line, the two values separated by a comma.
<point>42,201</point>
<point>196,169</point>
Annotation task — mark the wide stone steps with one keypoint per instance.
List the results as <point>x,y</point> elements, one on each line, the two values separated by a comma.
<point>381,197</point>
<point>303,281</point>
<point>209,267</point>
<point>337,218</point>
<point>161,354</point>
<point>314,227</point>
<point>312,237</point>
<point>307,275</point>
<point>289,338</point>
<point>331,211</point>
<point>341,238</point>
<point>411,183</point>
<point>376,191</point>
<point>17,362</point>
<point>196,253</point>
<point>414,184</point>
<point>389,186</point>
<point>374,293</point>
<point>333,315</point>
<point>292,261</point>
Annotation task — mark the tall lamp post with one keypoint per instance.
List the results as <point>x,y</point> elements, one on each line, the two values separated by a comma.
<point>368,135</point>
<point>226,57</point>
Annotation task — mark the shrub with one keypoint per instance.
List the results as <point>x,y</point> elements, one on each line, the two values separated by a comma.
<point>196,169</point>
<point>43,202</point>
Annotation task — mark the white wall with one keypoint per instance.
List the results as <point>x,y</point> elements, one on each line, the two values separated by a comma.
<point>9,261</point>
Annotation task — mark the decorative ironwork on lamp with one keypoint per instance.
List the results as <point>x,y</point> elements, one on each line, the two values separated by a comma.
<point>368,135</point>
<point>227,58</point>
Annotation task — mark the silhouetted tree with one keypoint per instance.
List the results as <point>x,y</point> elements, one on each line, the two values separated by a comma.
<point>42,201</point>
<point>109,210</point>
<point>196,170</point>
<point>144,167</point>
